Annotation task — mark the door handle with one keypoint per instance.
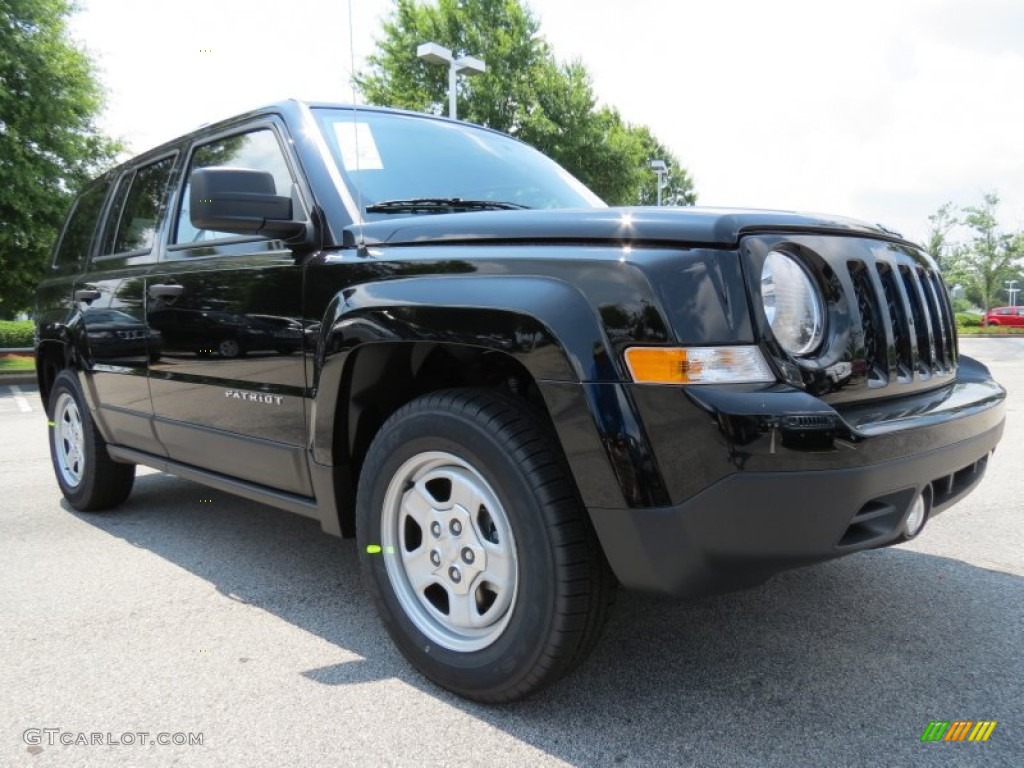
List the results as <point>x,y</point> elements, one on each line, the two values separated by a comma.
<point>167,290</point>
<point>88,295</point>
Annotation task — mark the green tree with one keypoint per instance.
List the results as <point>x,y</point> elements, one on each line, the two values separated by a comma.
<point>525,92</point>
<point>941,223</point>
<point>678,189</point>
<point>988,256</point>
<point>48,142</point>
<point>991,254</point>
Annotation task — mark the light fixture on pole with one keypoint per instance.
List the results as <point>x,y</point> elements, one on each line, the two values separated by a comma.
<point>432,53</point>
<point>1012,292</point>
<point>661,171</point>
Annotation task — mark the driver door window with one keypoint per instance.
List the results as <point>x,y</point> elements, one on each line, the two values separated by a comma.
<point>257,150</point>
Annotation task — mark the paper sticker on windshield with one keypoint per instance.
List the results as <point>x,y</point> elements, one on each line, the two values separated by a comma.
<point>358,149</point>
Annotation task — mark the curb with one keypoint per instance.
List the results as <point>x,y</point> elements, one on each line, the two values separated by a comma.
<point>18,378</point>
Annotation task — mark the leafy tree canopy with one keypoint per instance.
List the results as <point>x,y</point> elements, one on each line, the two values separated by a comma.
<point>525,92</point>
<point>49,146</point>
<point>985,259</point>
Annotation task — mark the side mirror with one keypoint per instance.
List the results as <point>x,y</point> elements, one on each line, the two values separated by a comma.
<point>242,201</point>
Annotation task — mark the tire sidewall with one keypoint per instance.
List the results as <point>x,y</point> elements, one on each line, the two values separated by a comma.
<point>523,640</point>
<point>66,382</point>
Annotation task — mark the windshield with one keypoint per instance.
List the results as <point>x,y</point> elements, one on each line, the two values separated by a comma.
<point>389,158</point>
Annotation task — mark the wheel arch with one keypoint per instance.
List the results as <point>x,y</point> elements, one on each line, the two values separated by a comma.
<point>385,344</point>
<point>51,359</point>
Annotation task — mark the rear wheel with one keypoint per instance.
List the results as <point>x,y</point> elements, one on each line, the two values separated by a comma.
<point>89,479</point>
<point>476,549</point>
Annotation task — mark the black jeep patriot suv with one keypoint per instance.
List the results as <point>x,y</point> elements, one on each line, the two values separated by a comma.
<point>427,335</point>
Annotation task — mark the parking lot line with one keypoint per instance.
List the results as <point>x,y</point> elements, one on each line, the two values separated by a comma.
<point>23,404</point>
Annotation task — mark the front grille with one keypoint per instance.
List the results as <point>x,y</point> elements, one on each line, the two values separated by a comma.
<point>906,323</point>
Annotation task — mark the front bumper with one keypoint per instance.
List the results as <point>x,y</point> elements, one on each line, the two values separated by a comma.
<point>757,489</point>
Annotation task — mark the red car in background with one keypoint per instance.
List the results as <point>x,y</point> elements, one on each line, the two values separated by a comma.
<point>1006,316</point>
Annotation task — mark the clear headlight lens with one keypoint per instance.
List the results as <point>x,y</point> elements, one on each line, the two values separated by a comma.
<point>792,304</point>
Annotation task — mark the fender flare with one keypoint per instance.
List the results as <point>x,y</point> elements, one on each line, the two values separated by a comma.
<point>546,324</point>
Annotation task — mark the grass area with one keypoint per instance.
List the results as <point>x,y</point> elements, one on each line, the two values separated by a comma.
<point>989,331</point>
<point>17,363</point>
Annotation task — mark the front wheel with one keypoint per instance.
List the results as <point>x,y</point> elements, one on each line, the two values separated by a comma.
<point>229,349</point>
<point>477,551</point>
<point>89,479</point>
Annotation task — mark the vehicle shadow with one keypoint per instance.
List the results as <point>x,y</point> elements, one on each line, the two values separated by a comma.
<point>842,664</point>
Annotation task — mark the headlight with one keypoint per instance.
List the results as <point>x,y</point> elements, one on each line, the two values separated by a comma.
<point>792,304</point>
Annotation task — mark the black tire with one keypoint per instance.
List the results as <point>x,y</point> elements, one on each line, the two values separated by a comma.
<point>92,482</point>
<point>562,590</point>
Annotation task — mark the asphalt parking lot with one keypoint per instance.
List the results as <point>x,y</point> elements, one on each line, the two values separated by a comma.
<point>189,611</point>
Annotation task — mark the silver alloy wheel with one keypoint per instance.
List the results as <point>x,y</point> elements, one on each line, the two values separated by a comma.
<point>70,440</point>
<point>449,551</point>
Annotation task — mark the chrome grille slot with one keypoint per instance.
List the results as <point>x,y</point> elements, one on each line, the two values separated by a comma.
<point>942,361</point>
<point>922,326</point>
<point>945,319</point>
<point>875,344</point>
<point>898,321</point>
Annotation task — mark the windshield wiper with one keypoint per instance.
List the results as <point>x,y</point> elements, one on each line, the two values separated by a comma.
<point>441,205</point>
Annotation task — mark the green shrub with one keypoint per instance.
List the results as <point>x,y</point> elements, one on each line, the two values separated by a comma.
<point>962,305</point>
<point>965,320</point>
<point>17,333</point>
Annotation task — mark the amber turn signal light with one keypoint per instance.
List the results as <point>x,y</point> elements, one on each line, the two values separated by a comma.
<point>697,365</point>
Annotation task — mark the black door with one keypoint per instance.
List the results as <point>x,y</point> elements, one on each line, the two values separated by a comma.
<point>118,344</point>
<point>229,385</point>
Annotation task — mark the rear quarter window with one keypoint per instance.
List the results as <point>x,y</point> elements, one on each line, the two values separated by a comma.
<point>75,242</point>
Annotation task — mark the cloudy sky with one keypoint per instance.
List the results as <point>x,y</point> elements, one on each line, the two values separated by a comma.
<point>876,109</point>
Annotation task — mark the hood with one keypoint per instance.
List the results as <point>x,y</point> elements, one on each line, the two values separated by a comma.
<point>696,226</point>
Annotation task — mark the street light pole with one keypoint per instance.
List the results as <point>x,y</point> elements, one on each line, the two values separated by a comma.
<point>1012,292</point>
<point>432,53</point>
<point>453,83</point>
<point>661,171</point>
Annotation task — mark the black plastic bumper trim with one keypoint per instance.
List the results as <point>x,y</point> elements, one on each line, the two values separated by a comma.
<point>751,525</point>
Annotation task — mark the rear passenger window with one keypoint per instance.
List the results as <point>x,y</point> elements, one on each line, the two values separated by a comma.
<point>81,226</point>
<point>256,150</point>
<point>137,209</point>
